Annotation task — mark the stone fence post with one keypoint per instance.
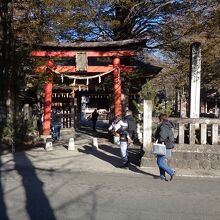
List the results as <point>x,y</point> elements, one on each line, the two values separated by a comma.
<point>147,125</point>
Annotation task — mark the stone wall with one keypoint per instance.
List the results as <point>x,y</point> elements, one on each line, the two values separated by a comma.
<point>189,157</point>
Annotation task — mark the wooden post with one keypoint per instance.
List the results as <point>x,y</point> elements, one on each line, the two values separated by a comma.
<point>147,125</point>
<point>181,133</point>
<point>192,134</point>
<point>71,145</point>
<point>214,133</point>
<point>117,87</point>
<point>49,144</point>
<point>203,133</point>
<point>95,145</point>
<point>195,78</point>
<point>47,108</point>
<point>72,113</point>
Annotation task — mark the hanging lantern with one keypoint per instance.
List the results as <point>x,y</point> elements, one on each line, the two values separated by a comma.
<point>99,79</point>
<point>87,81</point>
<point>74,82</point>
<point>62,78</point>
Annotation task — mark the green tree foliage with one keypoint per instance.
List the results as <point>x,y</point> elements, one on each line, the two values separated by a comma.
<point>109,19</point>
<point>19,28</point>
<point>148,91</point>
<point>200,23</point>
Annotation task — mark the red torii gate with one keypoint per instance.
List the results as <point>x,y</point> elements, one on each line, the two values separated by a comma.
<point>90,49</point>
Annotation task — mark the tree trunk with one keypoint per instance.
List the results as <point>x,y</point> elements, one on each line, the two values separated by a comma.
<point>6,65</point>
<point>183,107</point>
<point>125,96</point>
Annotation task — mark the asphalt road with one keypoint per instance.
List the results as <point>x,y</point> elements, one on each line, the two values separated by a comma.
<point>30,193</point>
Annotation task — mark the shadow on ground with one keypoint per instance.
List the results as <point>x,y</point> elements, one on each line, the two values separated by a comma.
<point>114,157</point>
<point>87,131</point>
<point>37,203</point>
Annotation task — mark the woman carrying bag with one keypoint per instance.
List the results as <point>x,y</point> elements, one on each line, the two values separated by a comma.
<point>164,134</point>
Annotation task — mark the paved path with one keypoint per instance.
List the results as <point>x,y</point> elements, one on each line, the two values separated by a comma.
<point>85,184</point>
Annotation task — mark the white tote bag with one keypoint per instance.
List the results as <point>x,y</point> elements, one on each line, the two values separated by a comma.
<point>159,149</point>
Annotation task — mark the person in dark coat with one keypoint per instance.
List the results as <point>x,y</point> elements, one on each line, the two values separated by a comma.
<point>132,125</point>
<point>56,122</point>
<point>40,122</point>
<point>164,134</point>
<point>94,119</point>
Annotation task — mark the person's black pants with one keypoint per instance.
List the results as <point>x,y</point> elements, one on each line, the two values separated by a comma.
<point>94,125</point>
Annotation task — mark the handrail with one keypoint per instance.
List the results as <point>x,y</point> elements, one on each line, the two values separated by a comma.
<point>191,120</point>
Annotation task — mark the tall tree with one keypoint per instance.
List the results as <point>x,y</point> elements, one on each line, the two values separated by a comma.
<point>199,24</point>
<point>111,20</point>
<point>19,24</point>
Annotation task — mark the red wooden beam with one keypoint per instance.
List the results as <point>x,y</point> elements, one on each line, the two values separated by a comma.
<point>111,53</point>
<point>47,107</point>
<point>61,69</point>
<point>117,87</point>
<point>90,69</point>
<point>44,53</point>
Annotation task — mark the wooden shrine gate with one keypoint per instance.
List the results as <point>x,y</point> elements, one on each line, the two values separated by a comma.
<point>81,53</point>
<point>63,101</point>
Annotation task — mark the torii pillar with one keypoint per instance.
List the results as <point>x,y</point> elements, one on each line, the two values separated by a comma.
<point>47,108</point>
<point>117,86</point>
<point>48,89</point>
<point>195,78</point>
